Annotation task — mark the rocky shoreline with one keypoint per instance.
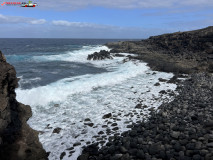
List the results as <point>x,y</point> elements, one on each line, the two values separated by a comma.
<point>183,128</point>
<point>17,140</point>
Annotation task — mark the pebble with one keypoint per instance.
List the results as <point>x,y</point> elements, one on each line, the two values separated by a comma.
<point>181,129</point>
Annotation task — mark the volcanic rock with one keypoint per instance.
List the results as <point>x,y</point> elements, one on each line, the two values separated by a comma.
<point>100,55</point>
<point>17,139</point>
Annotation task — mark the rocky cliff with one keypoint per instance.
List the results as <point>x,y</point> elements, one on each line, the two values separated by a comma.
<point>17,140</point>
<point>190,42</point>
<point>184,52</point>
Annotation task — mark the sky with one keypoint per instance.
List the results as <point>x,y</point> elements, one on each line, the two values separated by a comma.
<point>131,19</point>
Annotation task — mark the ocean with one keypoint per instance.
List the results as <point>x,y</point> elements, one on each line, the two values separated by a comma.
<point>69,95</point>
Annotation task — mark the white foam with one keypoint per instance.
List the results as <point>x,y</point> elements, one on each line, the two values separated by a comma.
<point>92,96</point>
<point>72,56</point>
<point>28,81</point>
<point>59,90</point>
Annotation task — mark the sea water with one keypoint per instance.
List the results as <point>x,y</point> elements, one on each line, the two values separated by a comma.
<point>67,91</point>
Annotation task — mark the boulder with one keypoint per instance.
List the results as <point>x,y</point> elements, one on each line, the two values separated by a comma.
<point>100,55</point>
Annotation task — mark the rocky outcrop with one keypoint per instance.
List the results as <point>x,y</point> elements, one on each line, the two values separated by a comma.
<point>99,55</point>
<point>193,41</point>
<point>17,140</point>
<point>182,52</point>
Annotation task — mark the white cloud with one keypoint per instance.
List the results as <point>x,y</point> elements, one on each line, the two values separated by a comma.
<point>73,24</point>
<point>124,4</point>
<point>78,24</point>
<point>38,21</point>
<point>18,19</point>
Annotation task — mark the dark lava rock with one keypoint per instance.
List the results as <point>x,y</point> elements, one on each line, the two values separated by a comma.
<point>101,132</point>
<point>62,155</point>
<point>114,124</point>
<point>83,157</point>
<point>76,144</point>
<point>17,139</point>
<point>119,55</point>
<point>100,55</point>
<point>71,148</point>
<point>163,92</point>
<point>115,128</point>
<point>133,133</point>
<point>87,119</point>
<point>57,130</point>
<point>157,84</point>
<point>139,106</point>
<point>162,80</point>
<point>209,124</point>
<point>89,124</point>
<point>107,115</point>
<point>173,80</point>
<point>140,154</point>
<point>123,150</point>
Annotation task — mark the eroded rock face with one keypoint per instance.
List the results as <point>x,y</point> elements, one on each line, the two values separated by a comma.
<point>100,55</point>
<point>17,139</point>
<point>180,52</point>
<point>193,41</point>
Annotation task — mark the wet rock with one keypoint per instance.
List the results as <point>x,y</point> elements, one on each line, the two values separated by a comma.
<point>162,80</point>
<point>119,55</point>
<point>76,144</point>
<point>100,55</point>
<point>83,157</point>
<point>89,124</point>
<point>107,115</point>
<point>114,124</point>
<point>157,84</point>
<point>115,128</point>
<point>62,155</point>
<point>139,106</point>
<point>101,132</point>
<point>87,119</point>
<point>71,148</point>
<point>162,92</point>
<point>57,130</point>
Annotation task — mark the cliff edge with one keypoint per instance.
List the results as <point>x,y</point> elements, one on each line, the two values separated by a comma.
<point>17,140</point>
<point>180,52</point>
